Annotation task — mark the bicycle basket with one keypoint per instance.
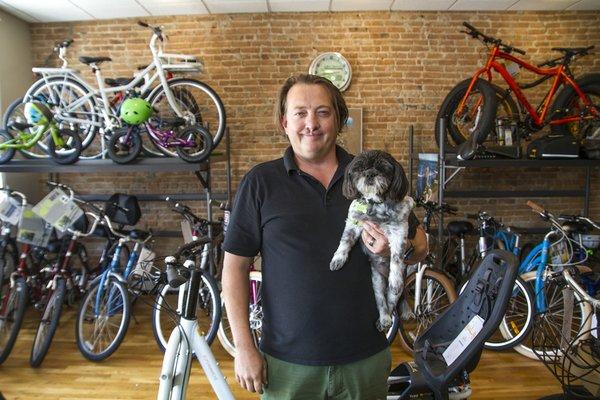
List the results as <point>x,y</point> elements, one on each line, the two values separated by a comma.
<point>130,203</point>
<point>574,361</point>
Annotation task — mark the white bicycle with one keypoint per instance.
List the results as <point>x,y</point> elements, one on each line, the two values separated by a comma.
<point>78,105</point>
<point>185,340</point>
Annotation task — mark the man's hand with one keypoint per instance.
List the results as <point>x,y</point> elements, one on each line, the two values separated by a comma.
<point>250,369</point>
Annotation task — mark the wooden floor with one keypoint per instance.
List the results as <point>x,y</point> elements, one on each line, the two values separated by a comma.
<point>132,372</point>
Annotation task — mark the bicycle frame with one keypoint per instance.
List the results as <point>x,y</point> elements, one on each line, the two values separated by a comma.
<point>560,78</point>
<point>27,140</point>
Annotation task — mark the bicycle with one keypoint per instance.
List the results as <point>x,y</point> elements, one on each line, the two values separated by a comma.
<point>185,339</point>
<point>76,103</point>
<point>537,270</point>
<point>64,146</point>
<point>168,301</point>
<point>470,109</point>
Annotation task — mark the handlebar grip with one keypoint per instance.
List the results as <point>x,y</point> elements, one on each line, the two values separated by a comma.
<point>535,207</point>
<point>173,276</point>
<point>522,52</point>
<point>67,43</point>
<point>144,24</point>
<point>469,26</point>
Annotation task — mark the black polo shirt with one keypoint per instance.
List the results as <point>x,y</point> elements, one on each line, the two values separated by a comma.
<point>312,315</point>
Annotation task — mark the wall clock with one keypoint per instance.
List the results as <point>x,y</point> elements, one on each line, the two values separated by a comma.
<point>334,67</point>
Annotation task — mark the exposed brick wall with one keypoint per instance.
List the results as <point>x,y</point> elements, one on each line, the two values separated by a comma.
<point>404,63</point>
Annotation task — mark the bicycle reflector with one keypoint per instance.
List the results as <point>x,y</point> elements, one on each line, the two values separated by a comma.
<point>37,113</point>
<point>136,111</point>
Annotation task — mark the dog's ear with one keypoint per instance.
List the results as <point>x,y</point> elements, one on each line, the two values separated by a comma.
<point>399,187</point>
<point>349,188</point>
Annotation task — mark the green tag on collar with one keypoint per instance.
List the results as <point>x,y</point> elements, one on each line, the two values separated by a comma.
<point>360,206</point>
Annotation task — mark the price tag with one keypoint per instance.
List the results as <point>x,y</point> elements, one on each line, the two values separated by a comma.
<point>464,338</point>
<point>58,210</point>
<point>33,230</point>
<point>10,209</point>
<point>145,261</point>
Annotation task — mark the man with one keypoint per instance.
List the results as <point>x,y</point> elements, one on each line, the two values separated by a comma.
<point>319,336</point>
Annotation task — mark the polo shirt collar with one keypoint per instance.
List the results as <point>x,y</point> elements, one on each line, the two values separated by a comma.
<point>289,162</point>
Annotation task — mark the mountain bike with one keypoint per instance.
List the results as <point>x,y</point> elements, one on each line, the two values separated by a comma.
<point>64,146</point>
<point>475,107</point>
<point>77,104</point>
<point>185,340</point>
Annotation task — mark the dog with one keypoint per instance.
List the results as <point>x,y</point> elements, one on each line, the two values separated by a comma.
<point>378,186</point>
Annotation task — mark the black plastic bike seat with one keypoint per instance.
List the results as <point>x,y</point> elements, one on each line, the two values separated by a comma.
<point>119,81</point>
<point>93,60</point>
<point>460,228</point>
<point>20,126</point>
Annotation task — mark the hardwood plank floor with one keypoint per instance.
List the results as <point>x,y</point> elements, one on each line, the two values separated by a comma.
<point>132,372</point>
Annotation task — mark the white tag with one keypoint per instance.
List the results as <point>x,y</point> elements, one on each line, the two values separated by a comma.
<point>464,338</point>
<point>58,210</point>
<point>186,230</point>
<point>595,325</point>
<point>32,229</point>
<point>508,137</point>
<point>10,209</point>
<point>145,261</point>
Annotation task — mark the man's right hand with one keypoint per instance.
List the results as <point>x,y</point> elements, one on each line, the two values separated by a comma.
<point>250,369</point>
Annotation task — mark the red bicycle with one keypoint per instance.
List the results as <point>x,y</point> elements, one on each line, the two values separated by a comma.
<point>476,106</point>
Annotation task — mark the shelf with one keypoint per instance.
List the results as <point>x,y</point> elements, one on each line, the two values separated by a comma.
<point>159,164</point>
<point>500,162</point>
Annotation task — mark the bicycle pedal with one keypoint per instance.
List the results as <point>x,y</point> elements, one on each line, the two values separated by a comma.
<point>38,306</point>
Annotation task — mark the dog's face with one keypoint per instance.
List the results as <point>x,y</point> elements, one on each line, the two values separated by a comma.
<point>375,175</point>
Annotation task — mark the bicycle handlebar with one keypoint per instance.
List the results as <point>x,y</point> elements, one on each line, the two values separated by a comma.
<point>17,194</point>
<point>156,29</point>
<point>477,34</point>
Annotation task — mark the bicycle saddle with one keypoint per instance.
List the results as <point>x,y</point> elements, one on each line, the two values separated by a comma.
<point>138,234</point>
<point>19,126</point>
<point>93,60</point>
<point>572,50</point>
<point>576,227</point>
<point>120,82</point>
<point>468,149</point>
<point>460,228</point>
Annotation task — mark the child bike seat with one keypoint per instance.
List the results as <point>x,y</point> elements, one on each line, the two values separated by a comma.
<point>440,361</point>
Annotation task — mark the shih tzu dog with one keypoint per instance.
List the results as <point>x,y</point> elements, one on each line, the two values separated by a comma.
<point>377,184</point>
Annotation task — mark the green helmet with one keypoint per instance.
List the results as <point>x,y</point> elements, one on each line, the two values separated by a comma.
<point>136,111</point>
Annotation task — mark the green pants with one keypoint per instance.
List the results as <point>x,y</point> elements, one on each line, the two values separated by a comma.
<point>361,380</point>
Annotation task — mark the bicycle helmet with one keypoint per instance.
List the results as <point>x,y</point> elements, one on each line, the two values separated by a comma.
<point>136,111</point>
<point>37,113</point>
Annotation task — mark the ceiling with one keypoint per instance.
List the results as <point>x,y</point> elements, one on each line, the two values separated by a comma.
<point>85,10</point>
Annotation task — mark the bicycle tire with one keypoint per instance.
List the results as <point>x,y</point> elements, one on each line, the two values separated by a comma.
<point>44,90</point>
<point>70,151</point>
<point>48,324</point>
<point>15,112</point>
<point>202,144</point>
<point>13,302</point>
<point>583,308</point>
<point>165,310</point>
<point>206,108</point>
<point>443,291</point>
<point>510,331</point>
<point>121,152</point>
<point>224,333</point>
<point>111,306</point>
<point>483,121</point>
<point>567,103</point>
<point>7,154</point>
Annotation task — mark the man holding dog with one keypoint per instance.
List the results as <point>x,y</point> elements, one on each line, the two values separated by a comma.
<point>319,335</point>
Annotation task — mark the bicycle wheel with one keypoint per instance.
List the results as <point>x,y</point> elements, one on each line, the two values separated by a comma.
<point>13,302</point>
<point>554,316</point>
<point>517,321</point>
<point>477,117</point>
<point>8,261</point>
<point>99,333</point>
<point>68,151</point>
<point>72,110</point>
<point>122,150</point>
<point>255,317</point>
<point>436,294</point>
<point>568,104</point>
<point>15,112</point>
<point>166,315</point>
<point>48,324</point>
<point>197,144</point>
<point>199,103</point>
<point>8,153</point>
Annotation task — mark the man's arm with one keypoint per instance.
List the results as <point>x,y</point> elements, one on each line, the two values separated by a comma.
<point>250,368</point>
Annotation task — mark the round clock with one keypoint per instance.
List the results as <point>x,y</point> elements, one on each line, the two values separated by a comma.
<point>334,67</point>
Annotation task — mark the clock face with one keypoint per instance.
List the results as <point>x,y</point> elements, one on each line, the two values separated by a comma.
<point>334,67</point>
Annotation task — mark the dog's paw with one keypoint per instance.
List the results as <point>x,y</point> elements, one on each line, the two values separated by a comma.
<point>337,262</point>
<point>384,323</point>
<point>405,311</point>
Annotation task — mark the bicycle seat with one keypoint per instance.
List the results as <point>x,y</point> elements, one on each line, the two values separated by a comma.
<point>571,50</point>
<point>20,126</point>
<point>139,234</point>
<point>93,60</point>
<point>576,227</point>
<point>460,228</point>
<point>120,82</point>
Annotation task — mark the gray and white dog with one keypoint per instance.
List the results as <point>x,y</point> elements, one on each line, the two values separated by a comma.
<point>377,184</point>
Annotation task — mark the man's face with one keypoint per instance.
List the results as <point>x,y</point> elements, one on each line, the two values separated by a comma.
<point>309,122</point>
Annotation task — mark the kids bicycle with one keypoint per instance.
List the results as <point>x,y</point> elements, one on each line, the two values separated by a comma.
<point>475,107</point>
<point>64,146</point>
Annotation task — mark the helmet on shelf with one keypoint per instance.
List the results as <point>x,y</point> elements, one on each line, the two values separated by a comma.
<point>37,114</point>
<point>135,111</point>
